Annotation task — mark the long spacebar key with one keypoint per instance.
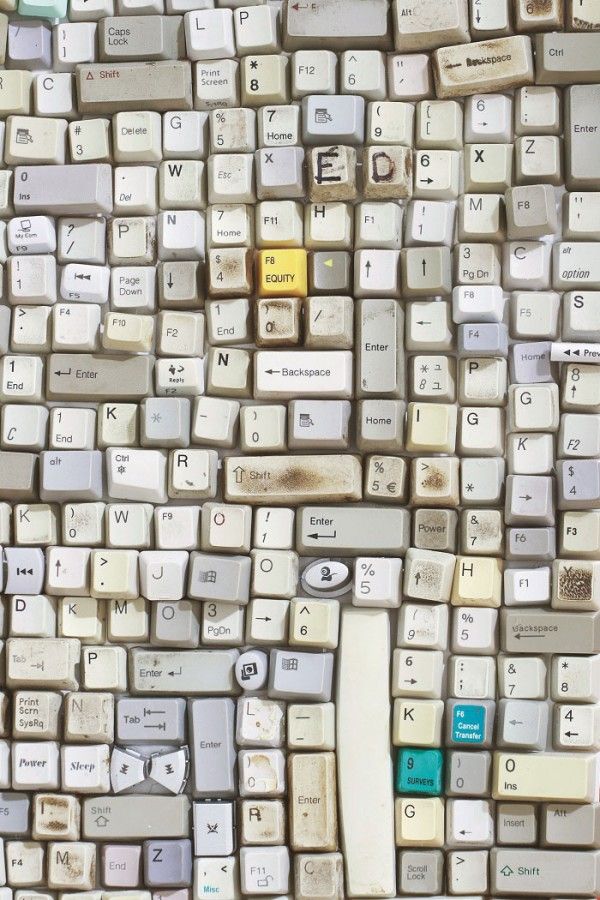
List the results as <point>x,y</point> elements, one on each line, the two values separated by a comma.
<point>575,873</point>
<point>293,479</point>
<point>135,817</point>
<point>182,672</point>
<point>366,798</point>
<point>493,65</point>
<point>85,190</point>
<point>112,87</point>
<point>85,376</point>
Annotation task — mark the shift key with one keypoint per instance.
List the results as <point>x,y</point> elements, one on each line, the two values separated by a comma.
<point>293,479</point>
<point>135,817</point>
<point>85,376</point>
<point>113,87</point>
<point>575,873</point>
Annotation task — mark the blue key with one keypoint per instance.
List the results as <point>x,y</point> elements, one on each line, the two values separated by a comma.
<point>43,9</point>
<point>420,772</point>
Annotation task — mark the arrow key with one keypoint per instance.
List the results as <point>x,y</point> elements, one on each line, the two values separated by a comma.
<point>529,500</point>
<point>469,823</point>
<point>522,724</point>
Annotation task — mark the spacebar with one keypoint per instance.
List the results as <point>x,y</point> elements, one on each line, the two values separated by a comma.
<point>366,797</point>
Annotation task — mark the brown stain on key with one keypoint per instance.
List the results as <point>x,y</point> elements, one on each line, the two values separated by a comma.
<point>435,480</point>
<point>575,584</point>
<point>540,7</point>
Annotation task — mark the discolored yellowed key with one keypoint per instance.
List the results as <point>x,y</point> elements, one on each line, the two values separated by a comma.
<point>293,479</point>
<point>312,799</point>
<point>113,87</point>
<point>483,67</point>
<point>85,376</point>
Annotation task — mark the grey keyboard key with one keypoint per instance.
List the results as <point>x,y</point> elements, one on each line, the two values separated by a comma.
<point>330,272</point>
<point>25,568</point>
<point>342,25</point>
<point>85,376</point>
<point>165,422</point>
<point>578,482</point>
<point>544,631</point>
<point>522,724</point>
<point>18,476</point>
<point>333,118</point>
<point>14,813</point>
<point>529,500</point>
<point>468,773</point>
<point>213,829</point>
<point>300,676</point>
<point>571,824</point>
<point>168,863</point>
<point>531,543</point>
<point>29,45</point>
<point>524,872</point>
<point>144,38</point>
<point>530,363</point>
<point>421,871</point>
<point>158,86</point>
<point>567,58</point>
<point>182,672</point>
<point>135,817</point>
<point>224,578</point>
<point>320,424</point>
<point>5,320</point>
<point>582,136</point>
<point>483,339</point>
<point>212,727</point>
<point>352,530</point>
<point>516,823</point>
<point>84,190</point>
<point>143,720</point>
<point>71,475</point>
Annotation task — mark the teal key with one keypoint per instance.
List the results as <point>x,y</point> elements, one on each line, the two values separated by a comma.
<point>420,772</point>
<point>43,9</point>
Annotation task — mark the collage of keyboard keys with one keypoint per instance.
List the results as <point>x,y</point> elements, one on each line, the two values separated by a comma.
<point>299,449</point>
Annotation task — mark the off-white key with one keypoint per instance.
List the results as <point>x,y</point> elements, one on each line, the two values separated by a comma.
<point>426,25</point>
<point>313,72</point>
<point>568,777</point>
<point>313,825</point>
<point>456,76</point>
<point>489,18</point>
<point>566,58</point>
<point>365,794</point>
<point>409,76</point>
<point>538,110</point>
<point>339,477</point>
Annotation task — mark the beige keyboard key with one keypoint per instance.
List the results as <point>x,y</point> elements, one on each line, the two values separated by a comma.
<point>42,662</point>
<point>427,24</point>
<point>483,67</point>
<point>529,871</point>
<point>158,86</point>
<point>583,15</point>
<point>15,93</point>
<point>567,58</point>
<point>352,530</point>
<point>135,817</point>
<point>77,376</point>
<point>293,479</point>
<point>547,631</point>
<point>312,801</point>
<point>182,672</point>
<point>566,777</point>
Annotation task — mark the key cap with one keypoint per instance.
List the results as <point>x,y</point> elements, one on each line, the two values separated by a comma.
<point>330,119</point>
<point>426,25</point>
<point>336,478</point>
<point>365,796</point>
<point>313,825</point>
<point>297,675</point>
<point>573,871</point>
<point>347,530</point>
<point>117,377</point>
<point>360,26</point>
<point>211,726</point>
<point>145,38</point>
<point>147,817</point>
<point>566,58</point>
<point>568,825</point>
<point>166,86</point>
<point>84,189</point>
<point>581,136</point>
<point>456,75</point>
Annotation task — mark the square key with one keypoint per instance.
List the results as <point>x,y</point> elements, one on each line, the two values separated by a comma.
<point>168,863</point>
<point>469,723</point>
<point>330,272</point>
<point>29,45</point>
<point>420,772</point>
<point>421,871</point>
<point>468,773</point>
<point>522,724</point>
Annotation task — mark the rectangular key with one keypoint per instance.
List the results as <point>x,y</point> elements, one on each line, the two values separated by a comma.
<point>144,38</point>
<point>157,86</point>
<point>213,750</point>
<point>582,137</point>
<point>312,373</point>
<point>18,476</point>
<point>147,719</point>
<point>542,631</point>
<point>182,672</point>
<point>566,777</point>
<point>575,265</point>
<point>312,801</point>
<point>380,344</point>
<point>352,530</point>
<point>42,662</point>
<point>566,58</point>
<point>365,766</point>
<point>483,67</point>
<point>85,190</point>
<point>293,479</point>
<point>135,817</point>
<point>83,376</point>
<point>524,872</point>
<point>343,26</point>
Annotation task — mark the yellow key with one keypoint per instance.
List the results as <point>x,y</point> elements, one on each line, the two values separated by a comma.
<point>282,273</point>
